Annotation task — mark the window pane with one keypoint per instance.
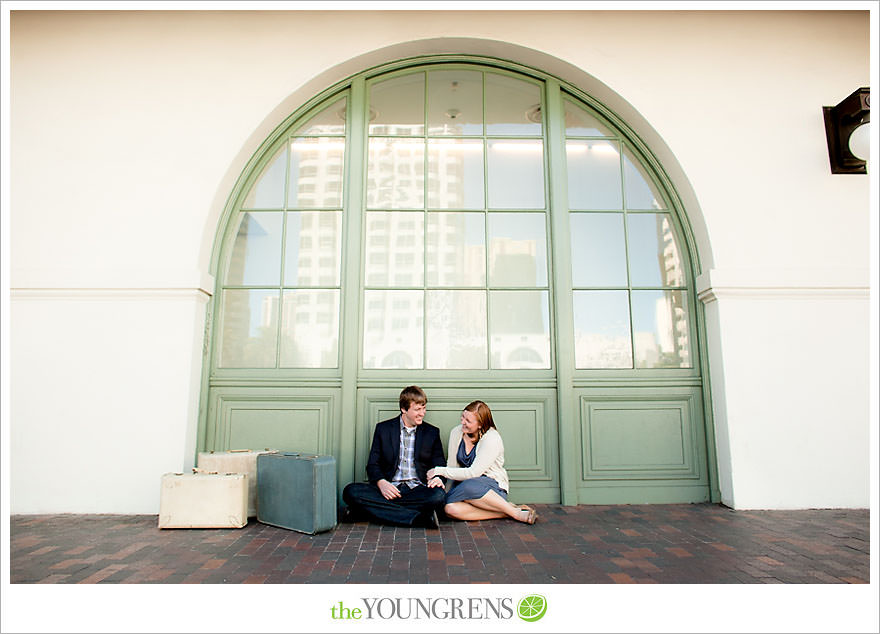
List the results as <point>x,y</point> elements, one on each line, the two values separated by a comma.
<point>456,249</point>
<point>641,193</point>
<point>316,173</point>
<point>394,249</point>
<point>312,250</point>
<point>513,106</point>
<point>331,120</point>
<point>593,175</point>
<point>256,253</point>
<point>660,327</point>
<point>654,258</point>
<point>516,174</point>
<point>250,328</point>
<point>456,329</point>
<point>519,329</point>
<point>598,250</point>
<point>396,174</point>
<point>579,122</point>
<point>517,250</point>
<point>397,106</point>
<point>455,174</point>
<point>601,330</point>
<point>455,102</point>
<point>267,191</point>
<point>393,329</point>
<point>310,329</point>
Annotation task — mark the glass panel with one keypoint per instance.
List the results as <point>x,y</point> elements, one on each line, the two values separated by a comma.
<point>331,120</point>
<point>396,174</point>
<point>517,250</point>
<point>397,106</point>
<point>312,251</point>
<point>601,330</point>
<point>654,258</point>
<point>598,250</point>
<point>250,328</point>
<point>267,191</point>
<point>579,122</point>
<point>593,175</point>
<point>456,249</point>
<point>513,106</point>
<point>395,248</point>
<point>641,193</point>
<point>519,329</point>
<point>455,174</point>
<point>256,253</point>
<point>393,329</point>
<point>516,174</point>
<point>310,329</point>
<point>316,173</point>
<point>455,102</point>
<point>660,329</point>
<point>456,329</point>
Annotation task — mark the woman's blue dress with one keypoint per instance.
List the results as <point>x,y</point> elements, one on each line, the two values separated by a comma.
<point>472,488</point>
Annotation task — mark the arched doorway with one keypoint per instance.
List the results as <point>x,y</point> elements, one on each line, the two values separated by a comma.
<point>485,231</point>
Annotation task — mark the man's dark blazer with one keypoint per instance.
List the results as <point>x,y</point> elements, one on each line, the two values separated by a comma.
<point>385,451</point>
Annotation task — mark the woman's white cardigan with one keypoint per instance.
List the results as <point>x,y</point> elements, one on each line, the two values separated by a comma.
<point>488,461</point>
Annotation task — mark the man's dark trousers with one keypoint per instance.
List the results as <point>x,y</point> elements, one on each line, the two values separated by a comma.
<point>412,508</point>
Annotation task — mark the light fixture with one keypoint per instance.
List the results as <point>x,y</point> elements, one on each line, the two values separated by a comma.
<point>840,123</point>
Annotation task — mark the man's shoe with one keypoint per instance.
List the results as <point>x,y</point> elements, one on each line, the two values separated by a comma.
<point>426,520</point>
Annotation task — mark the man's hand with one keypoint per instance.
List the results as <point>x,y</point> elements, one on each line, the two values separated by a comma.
<point>388,490</point>
<point>435,481</point>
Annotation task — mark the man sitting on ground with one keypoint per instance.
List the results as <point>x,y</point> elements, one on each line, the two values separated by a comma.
<point>404,449</point>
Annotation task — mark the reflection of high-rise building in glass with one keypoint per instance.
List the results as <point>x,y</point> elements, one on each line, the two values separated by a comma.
<point>671,314</point>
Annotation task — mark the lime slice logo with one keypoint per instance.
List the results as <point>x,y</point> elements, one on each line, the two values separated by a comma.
<point>532,607</point>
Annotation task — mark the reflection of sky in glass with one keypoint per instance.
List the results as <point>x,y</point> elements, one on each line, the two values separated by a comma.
<point>602,329</point>
<point>598,255</point>
<point>256,254</point>
<point>268,191</point>
<point>640,193</point>
<point>593,175</point>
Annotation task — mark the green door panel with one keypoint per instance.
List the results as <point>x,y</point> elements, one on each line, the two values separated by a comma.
<point>642,445</point>
<point>287,419</point>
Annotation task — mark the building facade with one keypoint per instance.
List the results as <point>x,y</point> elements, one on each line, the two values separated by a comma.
<point>252,229</point>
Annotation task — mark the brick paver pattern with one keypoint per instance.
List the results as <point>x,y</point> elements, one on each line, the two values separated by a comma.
<point>679,543</point>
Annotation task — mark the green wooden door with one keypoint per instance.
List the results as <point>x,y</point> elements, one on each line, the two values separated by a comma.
<point>482,231</point>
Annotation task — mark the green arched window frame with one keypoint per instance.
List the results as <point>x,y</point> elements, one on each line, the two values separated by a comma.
<point>567,294</point>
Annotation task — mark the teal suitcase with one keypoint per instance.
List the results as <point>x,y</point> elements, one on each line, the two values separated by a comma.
<point>296,491</point>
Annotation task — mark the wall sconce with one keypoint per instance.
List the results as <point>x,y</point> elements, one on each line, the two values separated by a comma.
<point>848,151</point>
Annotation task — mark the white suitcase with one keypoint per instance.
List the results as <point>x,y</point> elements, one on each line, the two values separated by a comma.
<point>235,461</point>
<point>203,500</point>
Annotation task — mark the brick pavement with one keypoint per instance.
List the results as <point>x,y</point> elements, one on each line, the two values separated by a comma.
<point>688,543</point>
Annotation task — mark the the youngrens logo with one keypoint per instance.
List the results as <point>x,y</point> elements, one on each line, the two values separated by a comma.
<point>530,608</point>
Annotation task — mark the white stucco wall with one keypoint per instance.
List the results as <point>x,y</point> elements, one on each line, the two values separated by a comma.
<point>128,130</point>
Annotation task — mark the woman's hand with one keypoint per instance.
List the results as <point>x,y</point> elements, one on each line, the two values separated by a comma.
<point>430,473</point>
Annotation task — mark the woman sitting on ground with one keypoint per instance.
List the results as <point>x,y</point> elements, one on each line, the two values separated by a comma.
<point>476,465</point>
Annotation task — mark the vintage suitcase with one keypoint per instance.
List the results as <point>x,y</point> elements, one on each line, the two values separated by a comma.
<point>296,491</point>
<point>203,500</point>
<point>235,461</point>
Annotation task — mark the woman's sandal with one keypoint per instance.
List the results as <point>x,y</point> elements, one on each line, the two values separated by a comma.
<point>533,514</point>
